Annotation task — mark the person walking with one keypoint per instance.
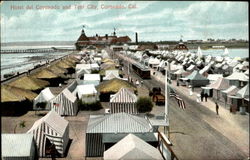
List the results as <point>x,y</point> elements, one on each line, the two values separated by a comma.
<point>217,108</point>
<point>206,95</point>
<point>202,96</point>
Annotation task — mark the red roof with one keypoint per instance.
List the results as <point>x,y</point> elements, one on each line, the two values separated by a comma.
<point>124,39</point>
<point>83,37</point>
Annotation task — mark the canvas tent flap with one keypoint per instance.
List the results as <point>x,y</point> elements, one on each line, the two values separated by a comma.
<point>124,95</point>
<point>54,120</point>
<point>44,96</point>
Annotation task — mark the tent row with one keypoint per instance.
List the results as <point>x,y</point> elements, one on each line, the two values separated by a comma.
<point>48,136</point>
<point>65,103</point>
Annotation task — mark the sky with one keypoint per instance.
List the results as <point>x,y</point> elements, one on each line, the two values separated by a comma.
<point>152,20</point>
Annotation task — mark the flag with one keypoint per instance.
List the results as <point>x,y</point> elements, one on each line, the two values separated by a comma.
<point>179,100</point>
<point>56,104</point>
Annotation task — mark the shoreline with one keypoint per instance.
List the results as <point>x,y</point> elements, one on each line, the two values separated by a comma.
<point>34,69</point>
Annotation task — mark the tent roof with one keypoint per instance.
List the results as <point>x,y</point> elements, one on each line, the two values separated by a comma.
<point>91,77</point>
<point>14,94</point>
<point>220,84</point>
<point>46,94</point>
<point>29,83</point>
<point>118,123</point>
<point>180,71</point>
<point>191,67</point>
<point>45,73</point>
<point>114,71</point>
<point>114,85</point>
<point>154,61</point>
<point>68,95</point>
<point>238,76</point>
<point>132,147</point>
<point>231,90</point>
<point>243,92</point>
<point>85,90</point>
<point>124,95</point>
<point>57,69</point>
<point>16,145</point>
<point>214,77</point>
<point>111,75</point>
<point>195,75</point>
<point>54,120</point>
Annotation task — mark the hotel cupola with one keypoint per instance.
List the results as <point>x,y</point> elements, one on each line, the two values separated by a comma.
<point>181,46</point>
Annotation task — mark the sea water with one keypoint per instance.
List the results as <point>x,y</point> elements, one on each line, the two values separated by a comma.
<point>233,52</point>
<point>21,62</point>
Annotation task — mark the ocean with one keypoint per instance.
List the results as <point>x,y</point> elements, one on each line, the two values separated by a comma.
<point>233,52</point>
<point>20,62</point>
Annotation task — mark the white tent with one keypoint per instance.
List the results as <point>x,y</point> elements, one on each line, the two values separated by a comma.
<point>191,67</point>
<point>243,92</point>
<point>18,146</point>
<point>123,101</point>
<point>93,66</point>
<point>205,69</point>
<point>65,103</point>
<point>104,54</point>
<point>91,79</point>
<point>213,77</point>
<point>238,76</point>
<point>44,96</point>
<point>110,74</point>
<point>247,72</point>
<point>219,59</point>
<point>132,147</point>
<point>51,129</point>
<point>231,91</point>
<point>154,62</point>
<point>180,71</point>
<point>86,93</point>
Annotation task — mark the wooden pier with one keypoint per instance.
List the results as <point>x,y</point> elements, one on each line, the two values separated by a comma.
<point>41,50</point>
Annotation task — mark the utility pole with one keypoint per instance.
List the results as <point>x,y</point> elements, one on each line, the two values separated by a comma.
<point>167,119</point>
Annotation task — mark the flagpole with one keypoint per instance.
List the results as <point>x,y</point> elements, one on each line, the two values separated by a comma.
<point>167,99</point>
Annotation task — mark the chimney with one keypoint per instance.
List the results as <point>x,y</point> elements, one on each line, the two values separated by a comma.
<point>106,36</point>
<point>136,38</point>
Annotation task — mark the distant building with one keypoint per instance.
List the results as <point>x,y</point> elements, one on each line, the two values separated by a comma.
<point>181,46</point>
<point>97,40</point>
<point>218,47</point>
<point>194,41</point>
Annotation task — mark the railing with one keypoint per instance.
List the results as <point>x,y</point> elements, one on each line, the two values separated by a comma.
<point>164,147</point>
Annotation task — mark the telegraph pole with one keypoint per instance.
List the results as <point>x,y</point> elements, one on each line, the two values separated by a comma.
<point>167,119</point>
